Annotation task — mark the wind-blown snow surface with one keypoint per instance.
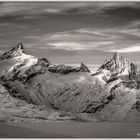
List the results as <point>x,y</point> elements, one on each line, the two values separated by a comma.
<point>16,110</point>
<point>25,60</point>
<point>100,94</point>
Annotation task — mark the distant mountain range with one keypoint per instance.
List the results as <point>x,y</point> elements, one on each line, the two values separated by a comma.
<point>112,93</point>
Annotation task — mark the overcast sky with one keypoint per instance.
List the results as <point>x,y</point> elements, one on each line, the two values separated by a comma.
<point>72,32</point>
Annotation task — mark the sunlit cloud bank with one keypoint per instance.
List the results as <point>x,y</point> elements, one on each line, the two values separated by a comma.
<point>128,50</point>
<point>108,40</point>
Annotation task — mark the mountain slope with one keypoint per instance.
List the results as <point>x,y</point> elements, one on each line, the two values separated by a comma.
<point>121,79</point>
<point>112,93</point>
<point>16,110</point>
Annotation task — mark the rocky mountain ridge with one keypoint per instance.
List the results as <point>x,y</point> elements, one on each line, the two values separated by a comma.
<point>14,52</point>
<point>27,65</point>
<point>111,93</point>
<point>119,66</point>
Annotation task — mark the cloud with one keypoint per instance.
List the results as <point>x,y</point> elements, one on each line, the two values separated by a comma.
<point>86,39</point>
<point>89,31</point>
<point>56,7</point>
<point>108,33</point>
<point>132,28</point>
<point>2,51</point>
<point>79,45</point>
<point>133,24</point>
<point>35,8</point>
<point>104,40</point>
<point>131,49</point>
<point>67,46</point>
<point>112,5</point>
<point>58,36</point>
<point>52,10</point>
<point>31,37</point>
<point>29,45</point>
<point>5,24</point>
<point>92,39</point>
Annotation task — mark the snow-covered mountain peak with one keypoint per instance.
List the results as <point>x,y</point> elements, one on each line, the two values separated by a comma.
<point>18,50</point>
<point>14,52</point>
<point>117,65</point>
<point>22,61</point>
<point>116,55</point>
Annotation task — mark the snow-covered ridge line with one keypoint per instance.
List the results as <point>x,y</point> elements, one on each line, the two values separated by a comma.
<point>14,52</point>
<point>119,66</point>
<point>23,60</point>
<point>73,89</point>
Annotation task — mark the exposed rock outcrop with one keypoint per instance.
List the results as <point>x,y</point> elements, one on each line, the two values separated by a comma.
<point>63,69</point>
<point>16,110</point>
<point>14,52</point>
<point>119,66</point>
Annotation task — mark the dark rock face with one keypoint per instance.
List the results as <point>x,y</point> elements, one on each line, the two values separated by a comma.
<point>43,62</point>
<point>83,68</point>
<point>16,51</point>
<point>60,69</point>
<point>67,69</point>
<point>117,64</point>
<point>134,72</point>
<point>39,68</point>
